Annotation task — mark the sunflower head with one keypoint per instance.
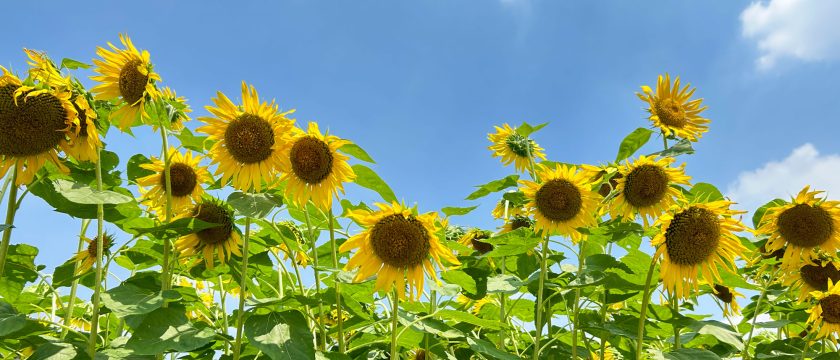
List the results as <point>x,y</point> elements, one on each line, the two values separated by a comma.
<point>420,354</point>
<point>562,202</point>
<point>813,275</point>
<point>673,111</point>
<point>825,312</point>
<point>514,148</point>
<point>186,175</point>
<point>222,239</point>
<point>727,296</point>
<point>516,222</point>
<point>87,257</point>
<point>43,70</point>
<point>647,187</point>
<point>505,205</point>
<point>178,108</point>
<point>300,256</point>
<point>84,142</point>
<point>473,238</point>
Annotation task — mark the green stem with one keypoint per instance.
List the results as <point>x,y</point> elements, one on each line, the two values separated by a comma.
<point>746,354</point>
<point>68,316</point>
<point>432,310</point>
<point>502,297</point>
<point>10,220</point>
<point>395,303</point>
<point>604,321</point>
<point>340,319</point>
<point>243,290</point>
<point>166,272</point>
<point>576,313</point>
<point>97,288</point>
<point>643,311</point>
<point>675,303</point>
<point>539,316</point>
<point>222,296</point>
<point>314,240</point>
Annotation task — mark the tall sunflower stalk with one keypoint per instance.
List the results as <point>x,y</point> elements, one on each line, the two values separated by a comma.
<point>240,315</point>
<point>10,220</point>
<point>97,289</point>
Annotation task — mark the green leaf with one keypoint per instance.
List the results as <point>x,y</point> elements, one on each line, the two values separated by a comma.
<point>494,186</point>
<point>503,283</point>
<point>135,296</point>
<point>281,335</point>
<point>691,354</point>
<point>705,192</point>
<point>679,148</point>
<point>367,178</point>
<point>254,205</point>
<point>633,143</point>
<point>58,351</point>
<point>460,278</point>
<point>83,194</point>
<point>133,169</point>
<point>191,141</point>
<point>486,348</point>
<point>452,211</point>
<point>167,329</point>
<point>71,64</point>
<point>10,320</point>
<point>460,316</point>
<point>431,326</point>
<point>181,226</point>
<point>357,152</point>
<point>526,129</point>
<point>720,331</point>
<point>515,242</point>
<point>759,213</point>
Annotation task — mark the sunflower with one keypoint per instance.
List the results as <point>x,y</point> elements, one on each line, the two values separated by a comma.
<point>300,256</point>
<point>314,169</point>
<point>727,296</point>
<point>647,187</point>
<point>672,110</point>
<point>473,239</point>
<point>474,305</point>
<point>87,257</point>
<point>512,210</point>
<point>126,76</point>
<point>563,202</point>
<point>813,276</point>
<point>34,124</point>
<point>596,354</point>
<point>179,105</point>
<point>186,176</point>
<point>251,141</point>
<point>802,226</point>
<point>396,244</point>
<point>514,148</point>
<point>606,175</point>
<point>516,222</point>
<point>419,354</point>
<point>43,70</point>
<point>825,314</point>
<point>223,239</point>
<point>697,238</point>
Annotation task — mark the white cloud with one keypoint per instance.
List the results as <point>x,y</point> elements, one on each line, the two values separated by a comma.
<point>782,179</point>
<point>800,29</point>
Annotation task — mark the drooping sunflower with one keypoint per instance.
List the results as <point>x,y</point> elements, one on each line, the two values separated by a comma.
<point>562,202</point>
<point>512,210</point>
<point>474,305</point>
<point>606,175</point>
<point>314,169</point>
<point>825,314</point>
<point>802,226</point>
<point>126,76</point>
<point>473,239</point>
<point>516,222</point>
<point>514,148</point>
<point>43,70</point>
<point>186,174</point>
<point>398,246</point>
<point>647,187</point>
<point>727,296</point>
<point>608,354</point>
<point>813,276</point>
<point>673,111</point>
<point>300,256</point>
<point>179,105</point>
<point>87,257</point>
<point>223,239</point>
<point>694,240</point>
<point>34,125</point>
<point>251,140</point>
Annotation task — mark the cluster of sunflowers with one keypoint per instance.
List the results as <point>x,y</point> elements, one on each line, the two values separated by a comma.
<point>275,168</point>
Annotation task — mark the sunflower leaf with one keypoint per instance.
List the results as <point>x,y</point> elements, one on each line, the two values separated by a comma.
<point>486,348</point>
<point>452,211</point>
<point>83,194</point>
<point>633,143</point>
<point>281,335</point>
<point>133,169</point>
<point>70,64</point>
<point>357,152</point>
<point>527,129</point>
<point>494,186</point>
<point>367,178</point>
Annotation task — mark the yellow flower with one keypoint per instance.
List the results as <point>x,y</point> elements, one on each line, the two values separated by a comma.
<point>44,71</point>
<point>314,169</point>
<point>802,226</point>
<point>125,76</point>
<point>186,176</point>
<point>813,276</point>
<point>727,296</point>
<point>87,257</point>
<point>516,222</point>
<point>34,125</point>
<point>672,110</point>
<point>596,354</point>
<point>474,305</point>
<point>647,187</point>
<point>223,239</point>
<point>473,239</point>
<point>562,202</point>
<point>251,140</point>
<point>179,103</point>
<point>300,256</point>
<point>396,244</point>
<point>606,175</point>
<point>514,148</point>
<point>697,238</point>
<point>825,314</point>
<point>512,210</point>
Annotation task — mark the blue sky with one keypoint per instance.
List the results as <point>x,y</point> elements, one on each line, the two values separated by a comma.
<point>420,84</point>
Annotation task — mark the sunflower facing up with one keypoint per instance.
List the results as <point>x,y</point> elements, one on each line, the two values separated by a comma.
<point>398,246</point>
<point>647,187</point>
<point>126,77</point>
<point>251,140</point>
<point>514,148</point>
<point>314,169</point>
<point>186,176</point>
<point>727,296</point>
<point>672,110</point>
<point>223,239</point>
<point>472,239</point>
<point>697,238</point>
<point>87,257</point>
<point>802,226</point>
<point>34,125</point>
<point>562,202</point>
<point>813,276</point>
<point>825,314</point>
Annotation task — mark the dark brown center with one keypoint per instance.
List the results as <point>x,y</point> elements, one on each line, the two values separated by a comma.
<point>311,159</point>
<point>777,254</point>
<point>831,308</point>
<point>692,236</point>
<point>559,200</point>
<point>723,293</point>
<point>133,82</point>
<point>671,113</point>
<point>211,212</point>
<point>817,276</point>
<point>32,127</point>
<point>420,355</point>
<point>82,119</point>
<point>400,241</point>
<point>107,241</point>
<point>249,139</point>
<point>805,225</point>
<point>646,185</point>
<point>518,222</point>
<point>182,178</point>
<point>481,246</point>
<point>606,188</point>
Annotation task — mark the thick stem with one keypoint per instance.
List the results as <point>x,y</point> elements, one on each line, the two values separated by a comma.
<point>10,220</point>
<point>314,240</point>
<point>222,296</point>
<point>340,317</point>
<point>576,313</point>
<point>539,320</point>
<point>166,272</point>
<point>432,310</point>
<point>604,321</point>
<point>643,311</point>
<point>502,297</point>
<point>675,303</point>
<point>746,353</point>
<point>68,316</point>
<point>97,288</point>
<point>243,290</point>
<point>395,304</point>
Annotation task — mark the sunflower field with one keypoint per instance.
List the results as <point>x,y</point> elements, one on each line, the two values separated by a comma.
<point>236,240</point>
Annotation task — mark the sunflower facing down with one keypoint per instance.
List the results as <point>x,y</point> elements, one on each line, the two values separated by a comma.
<point>179,105</point>
<point>802,226</point>
<point>647,187</point>
<point>87,257</point>
<point>186,176</point>
<point>472,239</point>
<point>672,110</point>
<point>34,125</point>
<point>514,148</point>
<point>223,239</point>
<point>813,276</point>
<point>727,296</point>
<point>251,140</point>
<point>606,175</point>
<point>516,222</point>
<point>825,314</point>
<point>126,77</point>
<point>396,245</point>
<point>314,169</point>
<point>563,202</point>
